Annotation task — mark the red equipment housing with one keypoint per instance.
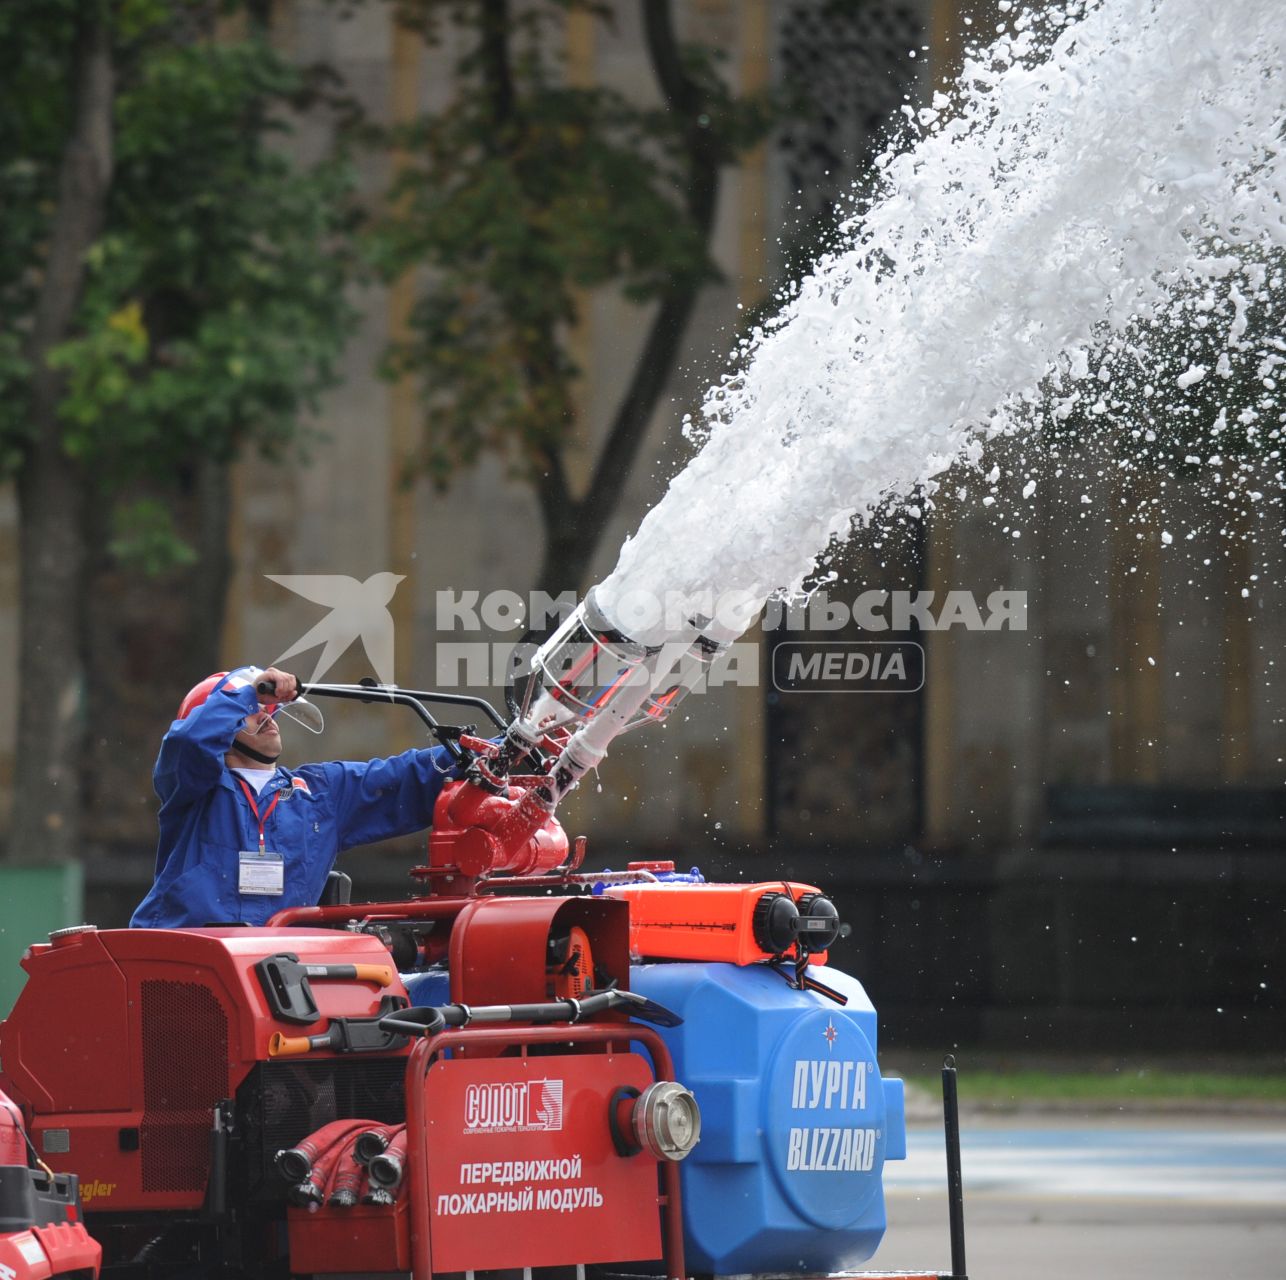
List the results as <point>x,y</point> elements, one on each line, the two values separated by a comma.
<point>55,1249</point>
<point>186,1060</point>
<point>161,1026</point>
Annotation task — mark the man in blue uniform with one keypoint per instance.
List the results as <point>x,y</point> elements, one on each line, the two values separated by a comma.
<point>242,837</point>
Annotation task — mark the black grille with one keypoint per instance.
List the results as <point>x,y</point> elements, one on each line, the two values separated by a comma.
<point>185,1074</point>
<point>281,1102</point>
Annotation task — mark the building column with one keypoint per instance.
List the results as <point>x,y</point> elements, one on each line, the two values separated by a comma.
<point>938,712</point>
<point>1237,712</point>
<point>750,744</point>
<point>1137,636</point>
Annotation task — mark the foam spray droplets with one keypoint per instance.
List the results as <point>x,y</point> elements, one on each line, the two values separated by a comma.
<point>1101,168</point>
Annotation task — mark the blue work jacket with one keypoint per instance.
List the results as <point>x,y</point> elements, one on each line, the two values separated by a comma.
<point>206,820</point>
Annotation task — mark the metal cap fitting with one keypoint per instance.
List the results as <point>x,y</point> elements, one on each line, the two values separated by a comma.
<point>666,1120</point>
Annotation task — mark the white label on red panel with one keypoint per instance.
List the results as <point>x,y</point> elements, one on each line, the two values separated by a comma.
<point>27,1246</point>
<point>519,1106</point>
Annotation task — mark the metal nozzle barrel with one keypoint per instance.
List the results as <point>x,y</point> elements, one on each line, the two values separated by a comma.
<point>592,679</point>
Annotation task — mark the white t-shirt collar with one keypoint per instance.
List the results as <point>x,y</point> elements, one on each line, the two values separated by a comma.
<point>257,778</point>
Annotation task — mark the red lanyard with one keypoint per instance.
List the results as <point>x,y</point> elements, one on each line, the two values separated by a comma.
<point>245,786</point>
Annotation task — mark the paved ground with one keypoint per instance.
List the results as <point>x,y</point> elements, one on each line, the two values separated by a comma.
<point>1174,1197</point>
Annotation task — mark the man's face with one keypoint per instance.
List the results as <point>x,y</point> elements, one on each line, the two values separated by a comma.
<point>260,733</point>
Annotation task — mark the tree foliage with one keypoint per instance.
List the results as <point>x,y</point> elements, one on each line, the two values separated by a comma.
<point>171,285</point>
<point>213,307</point>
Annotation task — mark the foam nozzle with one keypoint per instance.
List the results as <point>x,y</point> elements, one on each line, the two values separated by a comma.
<point>592,668</point>
<point>594,680</point>
<point>579,671</point>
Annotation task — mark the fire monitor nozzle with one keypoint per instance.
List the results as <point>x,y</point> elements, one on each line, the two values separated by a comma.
<point>593,682</point>
<point>590,666</point>
<point>582,668</point>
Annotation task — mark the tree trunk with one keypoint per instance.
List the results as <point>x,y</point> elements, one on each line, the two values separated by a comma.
<point>573,529</point>
<point>566,559</point>
<point>46,814</point>
<point>149,639</point>
<point>208,580</point>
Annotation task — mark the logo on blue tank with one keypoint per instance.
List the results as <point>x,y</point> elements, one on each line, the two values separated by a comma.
<point>824,1118</point>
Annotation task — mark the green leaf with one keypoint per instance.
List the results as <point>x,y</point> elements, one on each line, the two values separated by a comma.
<point>144,538</point>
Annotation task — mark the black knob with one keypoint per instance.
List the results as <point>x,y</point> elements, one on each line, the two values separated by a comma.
<point>819,925</point>
<point>774,923</point>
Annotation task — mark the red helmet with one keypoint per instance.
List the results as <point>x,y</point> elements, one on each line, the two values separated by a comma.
<point>196,695</point>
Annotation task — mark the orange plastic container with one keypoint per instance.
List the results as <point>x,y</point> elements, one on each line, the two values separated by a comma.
<point>701,921</point>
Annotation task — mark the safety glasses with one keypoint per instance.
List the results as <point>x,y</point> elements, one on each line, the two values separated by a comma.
<point>257,724</point>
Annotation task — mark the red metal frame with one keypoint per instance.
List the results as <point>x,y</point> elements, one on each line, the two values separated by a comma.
<point>417,1128</point>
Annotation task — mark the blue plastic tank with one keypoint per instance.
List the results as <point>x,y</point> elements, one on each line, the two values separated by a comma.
<point>796,1121</point>
<point>431,987</point>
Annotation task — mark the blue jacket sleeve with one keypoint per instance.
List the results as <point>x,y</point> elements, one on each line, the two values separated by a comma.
<point>191,757</point>
<point>380,799</point>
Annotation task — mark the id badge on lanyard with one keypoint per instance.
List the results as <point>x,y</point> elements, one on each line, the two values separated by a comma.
<point>260,873</point>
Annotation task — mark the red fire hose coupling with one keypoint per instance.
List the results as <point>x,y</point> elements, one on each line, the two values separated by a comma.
<point>477,833</point>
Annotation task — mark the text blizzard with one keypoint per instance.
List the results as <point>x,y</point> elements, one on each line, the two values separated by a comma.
<point>825,1150</point>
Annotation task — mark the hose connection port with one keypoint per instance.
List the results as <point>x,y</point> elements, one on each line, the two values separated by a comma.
<point>664,1120</point>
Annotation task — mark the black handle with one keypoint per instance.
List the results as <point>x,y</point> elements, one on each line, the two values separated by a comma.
<point>424,1020</point>
<point>955,1182</point>
<point>408,698</point>
<point>418,1021</point>
<point>285,986</point>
